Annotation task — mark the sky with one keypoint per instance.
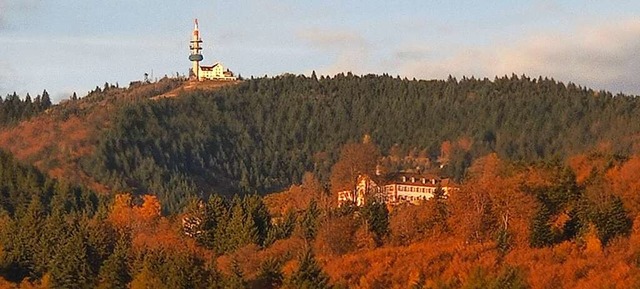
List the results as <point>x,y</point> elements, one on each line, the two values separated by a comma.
<point>67,46</point>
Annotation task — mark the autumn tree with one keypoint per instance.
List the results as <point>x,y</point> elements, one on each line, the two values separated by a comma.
<point>336,236</point>
<point>473,215</point>
<point>355,159</point>
<point>624,181</point>
<point>408,223</point>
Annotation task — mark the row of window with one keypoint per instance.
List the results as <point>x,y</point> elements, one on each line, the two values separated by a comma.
<point>416,189</point>
<point>412,198</point>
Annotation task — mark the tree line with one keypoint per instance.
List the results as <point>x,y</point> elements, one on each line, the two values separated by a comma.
<point>13,109</point>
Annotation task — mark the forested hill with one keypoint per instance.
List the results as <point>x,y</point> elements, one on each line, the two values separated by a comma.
<point>263,134</point>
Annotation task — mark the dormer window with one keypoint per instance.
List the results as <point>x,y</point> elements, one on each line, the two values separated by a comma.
<point>413,180</point>
<point>424,181</point>
<point>404,179</point>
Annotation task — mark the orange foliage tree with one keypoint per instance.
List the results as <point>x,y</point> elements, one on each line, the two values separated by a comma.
<point>625,183</point>
<point>492,200</point>
<point>355,159</point>
<point>124,214</point>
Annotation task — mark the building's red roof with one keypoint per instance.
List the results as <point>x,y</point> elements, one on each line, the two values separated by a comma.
<point>209,68</point>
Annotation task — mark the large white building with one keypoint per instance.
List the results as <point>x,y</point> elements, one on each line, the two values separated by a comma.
<point>197,72</point>
<point>395,189</point>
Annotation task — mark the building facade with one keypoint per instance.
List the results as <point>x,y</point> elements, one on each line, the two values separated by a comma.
<point>395,189</point>
<point>216,72</point>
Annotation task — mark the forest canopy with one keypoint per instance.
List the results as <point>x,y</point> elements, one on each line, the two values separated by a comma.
<point>548,194</point>
<point>261,135</point>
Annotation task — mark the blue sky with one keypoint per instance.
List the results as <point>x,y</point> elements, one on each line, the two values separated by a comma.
<point>74,45</point>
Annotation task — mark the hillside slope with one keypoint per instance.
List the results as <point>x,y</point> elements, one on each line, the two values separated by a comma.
<point>57,140</point>
<point>263,134</point>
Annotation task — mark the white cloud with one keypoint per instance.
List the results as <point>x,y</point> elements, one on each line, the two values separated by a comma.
<point>603,56</point>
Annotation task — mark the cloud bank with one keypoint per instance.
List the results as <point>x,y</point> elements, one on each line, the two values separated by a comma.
<point>601,56</point>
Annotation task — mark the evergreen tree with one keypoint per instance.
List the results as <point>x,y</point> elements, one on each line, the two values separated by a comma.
<point>255,207</point>
<point>376,217</point>
<point>45,101</point>
<point>114,273</point>
<point>309,274</point>
<point>236,279</point>
<point>270,275</point>
<point>70,267</point>
<point>541,234</point>
<point>216,221</point>
<point>282,230</point>
<point>612,221</point>
<point>309,221</point>
<point>30,227</point>
<point>241,229</point>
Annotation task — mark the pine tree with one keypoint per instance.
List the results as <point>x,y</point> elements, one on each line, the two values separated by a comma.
<point>255,207</point>
<point>236,279</point>
<point>45,100</point>
<point>309,274</point>
<point>216,220</point>
<point>282,230</point>
<point>70,266</point>
<point>309,221</point>
<point>541,234</point>
<point>30,227</point>
<point>114,273</point>
<point>376,217</point>
<point>146,278</point>
<point>241,229</point>
<point>270,275</point>
<point>613,221</point>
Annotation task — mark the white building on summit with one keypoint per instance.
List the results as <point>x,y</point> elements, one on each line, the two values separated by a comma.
<point>198,72</point>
